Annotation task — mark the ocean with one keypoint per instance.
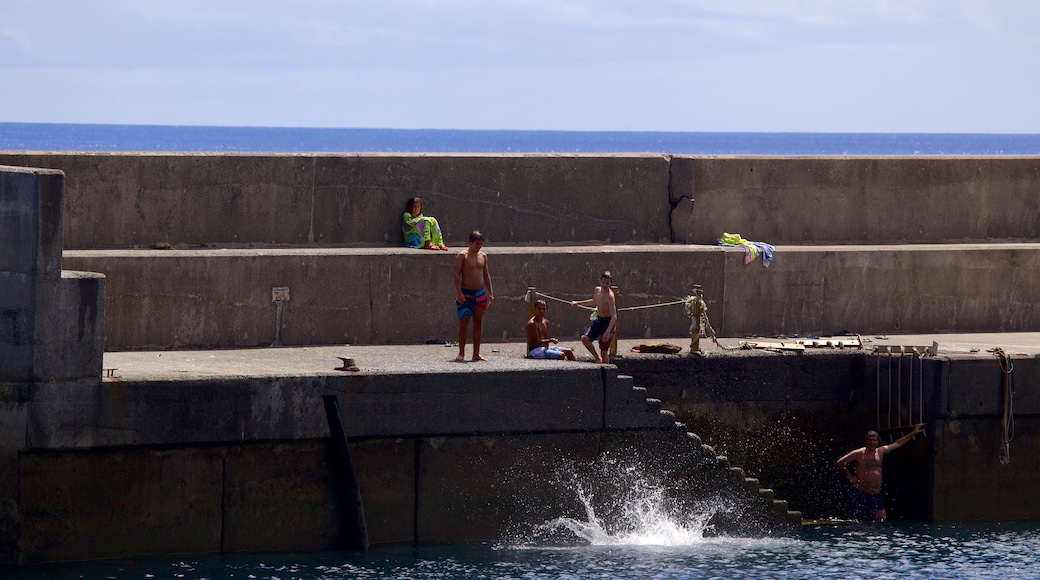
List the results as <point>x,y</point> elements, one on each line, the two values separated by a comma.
<point>817,552</point>
<point>87,137</point>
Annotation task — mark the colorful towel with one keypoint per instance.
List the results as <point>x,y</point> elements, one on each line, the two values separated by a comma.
<point>751,249</point>
<point>420,230</point>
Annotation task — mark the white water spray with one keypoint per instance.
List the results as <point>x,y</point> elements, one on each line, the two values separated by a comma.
<point>641,514</point>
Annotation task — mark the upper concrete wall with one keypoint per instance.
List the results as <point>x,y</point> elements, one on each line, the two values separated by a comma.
<point>855,200</point>
<point>137,200</point>
<point>121,200</point>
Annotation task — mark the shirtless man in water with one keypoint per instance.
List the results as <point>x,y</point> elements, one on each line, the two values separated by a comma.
<point>473,293</point>
<point>605,324</point>
<point>865,477</point>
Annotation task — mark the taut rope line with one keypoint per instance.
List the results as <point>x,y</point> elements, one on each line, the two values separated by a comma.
<point>623,309</point>
<point>689,304</point>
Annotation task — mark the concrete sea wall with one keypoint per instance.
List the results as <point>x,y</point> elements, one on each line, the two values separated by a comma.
<point>94,467</point>
<point>235,464</point>
<point>868,244</point>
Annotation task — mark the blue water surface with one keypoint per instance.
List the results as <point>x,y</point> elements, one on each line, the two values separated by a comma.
<point>842,550</point>
<point>85,137</point>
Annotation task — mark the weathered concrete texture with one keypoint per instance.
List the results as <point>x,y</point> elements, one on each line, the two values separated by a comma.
<point>856,200</point>
<point>30,268</point>
<point>787,418</point>
<point>777,417</point>
<point>280,497</point>
<point>51,321</point>
<point>871,289</point>
<point>86,505</point>
<point>237,409</point>
<point>116,502</point>
<point>971,483</point>
<point>222,298</point>
<point>139,199</point>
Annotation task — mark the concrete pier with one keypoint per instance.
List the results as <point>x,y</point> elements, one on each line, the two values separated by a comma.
<point>184,431</point>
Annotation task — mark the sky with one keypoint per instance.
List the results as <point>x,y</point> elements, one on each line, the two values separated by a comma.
<point>904,66</point>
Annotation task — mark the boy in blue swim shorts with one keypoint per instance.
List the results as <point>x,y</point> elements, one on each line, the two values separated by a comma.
<point>473,293</point>
<point>539,343</point>
<point>605,323</point>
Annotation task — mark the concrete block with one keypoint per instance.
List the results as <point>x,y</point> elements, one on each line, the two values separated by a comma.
<point>280,497</point>
<point>386,476</point>
<point>122,413</point>
<point>360,199</point>
<point>498,488</point>
<point>970,483</point>
<point>118,503</point>
<point>976,387</point>
<point>867,200</point>
<point>471,403</point>
<point>883,289</point>
<point>30,266</point>
<point>135,200</point>
<point>222,298</point>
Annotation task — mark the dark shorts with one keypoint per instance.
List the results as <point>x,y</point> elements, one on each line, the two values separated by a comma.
<point>598,330</point>
<point>864,505</point>
<point>474,299</point>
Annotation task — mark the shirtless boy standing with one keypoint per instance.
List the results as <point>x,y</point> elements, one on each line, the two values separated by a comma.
<point>605,324</point>
<point>539,343</point>
<point>473,293</point>
<point>865,477</point>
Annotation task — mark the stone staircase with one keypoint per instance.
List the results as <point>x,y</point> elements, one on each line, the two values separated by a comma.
<point>750,508</point>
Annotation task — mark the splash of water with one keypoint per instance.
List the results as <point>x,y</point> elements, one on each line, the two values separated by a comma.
<point>641,515</point>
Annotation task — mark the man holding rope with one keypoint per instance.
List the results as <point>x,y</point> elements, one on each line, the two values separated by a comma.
<point>605,323</point>
<point>865,474</point>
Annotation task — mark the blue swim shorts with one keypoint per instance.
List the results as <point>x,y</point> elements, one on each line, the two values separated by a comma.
<point>864,505</point>
<point>474,299</point>
<point>546,352</point>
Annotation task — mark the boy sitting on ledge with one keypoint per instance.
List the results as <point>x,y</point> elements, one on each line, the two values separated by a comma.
<point>539,343</point>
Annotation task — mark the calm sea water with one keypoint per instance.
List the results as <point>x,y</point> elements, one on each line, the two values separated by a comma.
<point>74,137</point>
<point>876,551</point>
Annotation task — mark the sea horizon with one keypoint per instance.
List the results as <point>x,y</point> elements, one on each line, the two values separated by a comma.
<point>255,139</point>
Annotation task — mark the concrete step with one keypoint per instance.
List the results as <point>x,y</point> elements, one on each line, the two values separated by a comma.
<point>162,299</point>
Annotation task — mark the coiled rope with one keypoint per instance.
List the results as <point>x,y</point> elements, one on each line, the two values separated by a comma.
<point>1007,385</point>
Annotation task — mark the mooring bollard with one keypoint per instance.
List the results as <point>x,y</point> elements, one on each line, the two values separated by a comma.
<point>697,327</point>
<point>617,306</point>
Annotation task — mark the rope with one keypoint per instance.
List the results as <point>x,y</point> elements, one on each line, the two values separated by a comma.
<point>619,309</point>
<point>651,305</point>
<point>1008,419</point>
<point>527,298</point>
<point>688,307</point>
